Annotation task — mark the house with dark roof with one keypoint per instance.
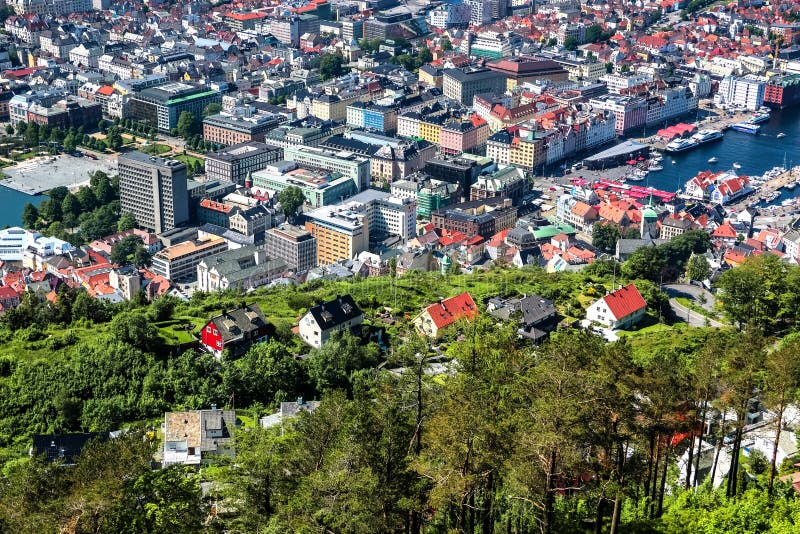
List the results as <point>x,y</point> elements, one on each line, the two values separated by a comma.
<point>536,315</point>
<point>619,309</point>
<point>235,330</point>
<point>317,325</point>
<point>438,316</point>
<point>64,448</point>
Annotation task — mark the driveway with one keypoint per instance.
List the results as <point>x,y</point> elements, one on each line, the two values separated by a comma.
<point>693,293</point>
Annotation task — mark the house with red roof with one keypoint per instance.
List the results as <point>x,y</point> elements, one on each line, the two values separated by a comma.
<point>725,233</point>
<point>442,314</point>
<point>9,298</point>
<point>619,309</point>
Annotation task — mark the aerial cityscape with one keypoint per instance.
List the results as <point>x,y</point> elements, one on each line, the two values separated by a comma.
<point>399,266</point>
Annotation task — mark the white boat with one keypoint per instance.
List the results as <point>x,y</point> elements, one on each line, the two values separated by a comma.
<point>680,145</point>
<point>736,166</point>
<point>746,127</point>
<point>635,177</point>
<point>713,159</point>
<point>791,186</point>
<point>674,162</point>
<point>781,135</point>
<point>652,168</point>
<point>706,136</point>
<point>787,202</point>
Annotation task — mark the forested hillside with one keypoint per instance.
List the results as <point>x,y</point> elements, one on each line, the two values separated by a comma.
<point>575,435</point>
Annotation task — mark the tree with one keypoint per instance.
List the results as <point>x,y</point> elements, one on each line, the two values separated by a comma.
<point>212,109</point>
<point>646,262</point>
<point>424,56</point>
<point>605,236</point>
<point>571,43</point>
<point>126,222</point>
<point>9,129</point>
<point>331,66</point>
<point>69,143</point>
<point>782,380</point>
<point>101,125</point>
<point>141,257</point>
<point>447,45</point>
<point>124,249</point>
<point>87,199</point>
<point>31,134</point>
<point>609,67</point>
<point>71,206</point>
<point>188,125</point>
<point>30,216</point>
<point>697,268</point>
<point>290,199</point>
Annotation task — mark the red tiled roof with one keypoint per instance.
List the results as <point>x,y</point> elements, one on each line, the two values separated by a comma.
<point>624,301</point>
<point>450,310</point>
<point>106,90</point>
<point>726,230</point>
<point>245,16</point>
<point>7,293</point>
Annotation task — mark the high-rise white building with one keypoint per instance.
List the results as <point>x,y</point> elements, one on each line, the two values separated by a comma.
<point>744,92</point>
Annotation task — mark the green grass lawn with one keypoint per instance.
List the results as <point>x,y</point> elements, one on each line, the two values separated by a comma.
<point>689,303</point>
<point>185,158</point>
<point>647,325</point>
<point>155,149</point>
<point>174,334</point>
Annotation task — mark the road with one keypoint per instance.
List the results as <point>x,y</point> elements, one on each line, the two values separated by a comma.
<point>693,293</point>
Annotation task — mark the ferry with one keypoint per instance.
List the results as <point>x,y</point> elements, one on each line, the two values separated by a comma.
<point>706,136</point>
<point>679,145</point>
<point>759,117</point>
<point>746,127</point>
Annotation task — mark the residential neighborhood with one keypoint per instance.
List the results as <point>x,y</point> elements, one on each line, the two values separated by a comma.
<point>399,266</point>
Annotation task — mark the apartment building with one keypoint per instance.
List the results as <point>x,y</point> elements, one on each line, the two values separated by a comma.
<point>294,245</point>
<point>351,165</point>
<point>341,233</point>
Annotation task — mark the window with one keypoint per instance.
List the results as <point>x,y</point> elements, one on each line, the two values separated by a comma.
<point>208,329</point>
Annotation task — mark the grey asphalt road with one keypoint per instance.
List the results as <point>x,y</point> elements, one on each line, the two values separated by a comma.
<point>693,293</point>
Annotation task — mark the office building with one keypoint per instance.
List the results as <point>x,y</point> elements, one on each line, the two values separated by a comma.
<point>294,245</point>
<point>161,106</point>
<point>462,86</point>
<point>525,69</point>
<point>178,263</point>
<point>235,163</point>
<point>230,129</point>
<point>320,188</point>
<point>153,190</point>
<point>353,166</point>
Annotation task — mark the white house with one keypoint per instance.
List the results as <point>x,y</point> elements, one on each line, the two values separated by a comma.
<point>321,321</point>
<point>619,309</point>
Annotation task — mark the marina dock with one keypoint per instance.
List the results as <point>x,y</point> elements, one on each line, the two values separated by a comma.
<point>780,181</point>
<point>721,121</point>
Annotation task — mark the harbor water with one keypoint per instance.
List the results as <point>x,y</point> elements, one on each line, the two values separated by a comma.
<point>756,154</point>
<point>11,204</point>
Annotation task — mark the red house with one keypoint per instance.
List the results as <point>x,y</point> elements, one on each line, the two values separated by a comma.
<point>235,331</point>
<point>9,298</point>
<point>442,314</point>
